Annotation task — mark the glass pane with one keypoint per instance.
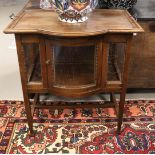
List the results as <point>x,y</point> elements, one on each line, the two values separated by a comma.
<point>32,62</point>
<point>74,66</point>
<point>115,61</point>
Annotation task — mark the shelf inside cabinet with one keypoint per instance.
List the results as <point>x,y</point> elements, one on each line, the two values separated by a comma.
<point>112,72</point>
<point>34,72</point>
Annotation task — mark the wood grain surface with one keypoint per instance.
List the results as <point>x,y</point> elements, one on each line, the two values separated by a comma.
<point>99,22</point>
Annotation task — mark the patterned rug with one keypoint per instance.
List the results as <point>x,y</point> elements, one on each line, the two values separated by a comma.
<point>78,130</point>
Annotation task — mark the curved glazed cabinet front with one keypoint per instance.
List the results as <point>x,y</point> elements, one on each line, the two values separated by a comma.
<point>74,66</point>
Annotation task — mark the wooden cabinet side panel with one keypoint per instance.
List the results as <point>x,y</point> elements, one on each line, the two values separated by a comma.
<point>142,64</point>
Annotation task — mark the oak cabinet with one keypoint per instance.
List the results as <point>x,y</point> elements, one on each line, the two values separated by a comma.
<point>74,60</point>
<point>73,67</point>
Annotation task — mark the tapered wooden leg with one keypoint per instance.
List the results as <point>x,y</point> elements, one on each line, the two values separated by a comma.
<point>28,113</point>
<point>124,82</point>
<point>111,97</point>
<point>21,60</point>
<point>121,111</point>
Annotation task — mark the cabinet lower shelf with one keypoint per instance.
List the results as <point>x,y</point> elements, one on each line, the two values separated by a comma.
<point>98,101</point>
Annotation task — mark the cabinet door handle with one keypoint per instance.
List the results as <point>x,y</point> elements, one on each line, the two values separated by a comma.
<point>47,62</point>
<point>12,16</point>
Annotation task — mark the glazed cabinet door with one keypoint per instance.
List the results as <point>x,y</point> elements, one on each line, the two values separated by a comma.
<point>74,66</point>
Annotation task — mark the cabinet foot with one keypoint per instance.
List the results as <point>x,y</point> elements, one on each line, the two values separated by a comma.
<point>118,132</point>
<point>32,133</point>
<point>121,111</point>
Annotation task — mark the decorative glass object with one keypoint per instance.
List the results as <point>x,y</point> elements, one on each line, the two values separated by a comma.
<point>120,4</point>
<point>73,11</point>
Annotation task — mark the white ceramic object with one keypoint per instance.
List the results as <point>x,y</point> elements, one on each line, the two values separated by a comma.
<point>73,11</point>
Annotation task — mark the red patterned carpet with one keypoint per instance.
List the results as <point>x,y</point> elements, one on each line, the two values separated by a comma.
<point>78,130</point>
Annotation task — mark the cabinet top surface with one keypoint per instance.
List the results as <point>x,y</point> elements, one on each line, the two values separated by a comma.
<point>99,22</point>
